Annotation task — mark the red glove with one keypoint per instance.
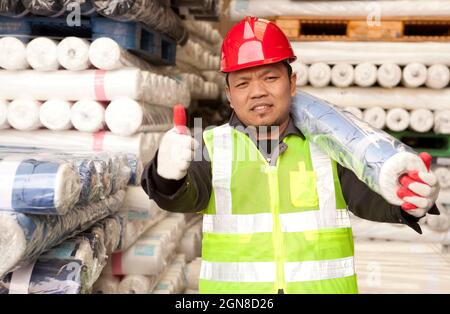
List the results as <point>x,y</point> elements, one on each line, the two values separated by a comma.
<point>419,190</point>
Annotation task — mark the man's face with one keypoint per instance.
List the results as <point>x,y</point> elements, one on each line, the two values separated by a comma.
<point>261,96</point>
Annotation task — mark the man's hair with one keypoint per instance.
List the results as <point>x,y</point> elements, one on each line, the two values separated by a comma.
<point>286,64</point>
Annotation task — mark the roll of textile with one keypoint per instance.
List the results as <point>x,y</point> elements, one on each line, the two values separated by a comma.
<point>397,119</point>
<point>42,54</point>
<point>365,74</point>
<point>56,8</point>
<point>389,75</point>
<point>414,75</point>
<point>27,236</point>
<point>46,187</point>
<point>375,116</point>
<point>55,115</point>
<point>106,54</point>
<point>342,75</point>
<point>113,230</point>
<point>438,76</point>
<point>191,243</point>
<point>94,84</point>
<point>88,115</point>
<point>150,12</point>
<point>143,145</point>
<point>13,54</point>
<point>125,117</point>
<point>137,169</point>
<point>23,114</point>
<point>106,284</point>
<point>46,276</point>
<point>12,8</point>
<point>302,73</point>
<point>355,111</point>
<point>421,120</point>
<point>4,114</point>
<point>374,156</point>
<point>443,176</point>
<point>319,74</point>
<point>73,53</point>
<point>442,121</point>
<point>173,280</point>
<point>193,273</point>
<point>137,284</point>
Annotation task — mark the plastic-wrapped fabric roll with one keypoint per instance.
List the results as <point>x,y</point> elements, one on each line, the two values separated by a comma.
<point>106,54</point>
<point>113,229</point>
<point>421,120</point>
<point>13,54</point>
<point>355,111</point>
<point>342,75</point>
<point>191,243</point>
<point>4,115</point>
<point>137,284</point>
<point>23,114</point>
<point>374,156</point>
<point>47,276</point>
<point>150,12</point>
<point>375,116</point>
<point>106,284</point>
<point>443,176</point>
<point>414,75</point>
<point>365,74</point>
<point>193,273</point>
<point>319,74</point>
<point>12,8</point>
<point>27,236</point>
<point>56,8</point>
<point>88,115</point>
<point>397,119</point>
<point>143,145</point>
<point>125,117</point>
<point>389,75</point>
<point>442,121</point>
<point>173,280</point>
<point>42,54</point>
<point>438,76</point>
<point>55,115</point>
<point>137,168</point>
<point>302,73</point>
<point>73,53</point>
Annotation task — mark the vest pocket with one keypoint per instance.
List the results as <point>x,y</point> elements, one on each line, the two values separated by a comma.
<point>303,189</point>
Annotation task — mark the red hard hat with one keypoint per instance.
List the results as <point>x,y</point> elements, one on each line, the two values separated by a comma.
<point>253,42</point>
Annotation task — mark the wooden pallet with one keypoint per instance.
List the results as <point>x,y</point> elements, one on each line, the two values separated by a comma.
<point>360,29</point>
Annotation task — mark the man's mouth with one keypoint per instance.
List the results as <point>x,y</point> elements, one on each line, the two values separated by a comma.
<point>261,108</point>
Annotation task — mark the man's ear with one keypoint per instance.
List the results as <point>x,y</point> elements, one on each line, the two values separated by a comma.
<point>293,84</point>
<point>227,92</point>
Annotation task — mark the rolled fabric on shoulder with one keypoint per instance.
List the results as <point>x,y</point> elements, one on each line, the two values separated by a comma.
<point>375,157</point>
<point>355,111</point>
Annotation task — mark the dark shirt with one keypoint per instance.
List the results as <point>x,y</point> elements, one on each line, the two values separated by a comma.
<point>192,193</point>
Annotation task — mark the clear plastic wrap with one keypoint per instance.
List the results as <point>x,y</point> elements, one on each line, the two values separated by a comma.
<point>55,8</point>
<point>150,12</point>
<point>195,55</point>
<point>12,8</point>
<point>25,237</point>
<point>367,151</point>
<point>173,280</point>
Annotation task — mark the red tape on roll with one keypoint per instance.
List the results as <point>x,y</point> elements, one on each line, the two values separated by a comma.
<point>99,137</point>
<point>99,85</point>
<point>116,262</point>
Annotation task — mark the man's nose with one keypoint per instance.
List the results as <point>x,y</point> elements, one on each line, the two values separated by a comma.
<point>257,89</point>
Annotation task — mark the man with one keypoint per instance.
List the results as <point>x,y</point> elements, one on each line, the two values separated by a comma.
<point>275,207</point>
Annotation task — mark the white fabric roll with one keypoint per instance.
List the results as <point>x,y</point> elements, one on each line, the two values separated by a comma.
<point>13,54</point>
<point>421,120</point>
<point>73,53</point>
<point>124,116</point>
<point>397,119</point>
<point>106,54</point>
<point>438,76</point>
<point>137,284</point>
<point>389,75</point>
<point>319,74</point>
<point>193,274</point>
<point>302,73</point>
<point>365,74</point>
<point>173,280</point>
<point>143,145</point>
<point>414,75</point>
<point>442,121</point>
<point>443,176</point>
<point>355,111</point>
<point>55,115</point>
<point>42,54</point>
<point>88,115</point>
<point>106,284</point>
<point>191,243</point>
<point>23,114</point>
<point>375,116</point>
<point>4,114</point>
<point>342,75</point>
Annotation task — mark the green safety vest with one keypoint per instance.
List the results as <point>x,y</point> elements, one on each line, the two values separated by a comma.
<point>270,227</point>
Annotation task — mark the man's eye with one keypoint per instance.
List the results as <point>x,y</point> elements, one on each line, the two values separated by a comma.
<point>271,78</point>
<point>241,85</point>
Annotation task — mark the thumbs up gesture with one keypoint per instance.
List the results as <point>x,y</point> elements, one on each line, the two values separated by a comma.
<point>176,150</point>
<point>419,190</point>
